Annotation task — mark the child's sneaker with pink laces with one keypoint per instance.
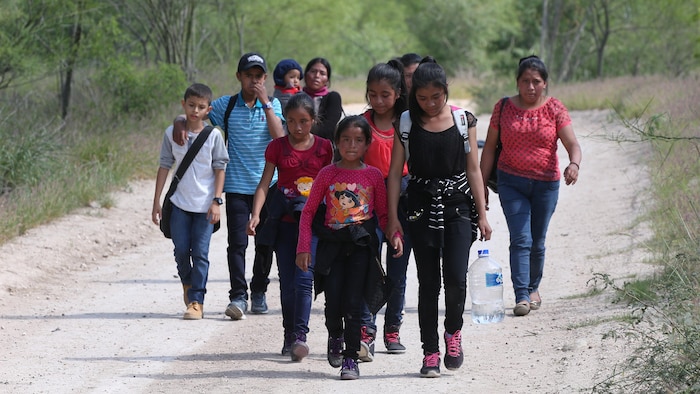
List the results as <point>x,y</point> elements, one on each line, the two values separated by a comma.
<point>366,353</point>
<point>454,356</point>
<point>431,365</point>
<point>392,341</point>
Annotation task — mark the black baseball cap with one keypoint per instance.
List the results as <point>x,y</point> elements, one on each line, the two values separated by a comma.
<point>252,59</point>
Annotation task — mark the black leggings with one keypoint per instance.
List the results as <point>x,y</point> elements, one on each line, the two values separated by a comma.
<point>455,259</point>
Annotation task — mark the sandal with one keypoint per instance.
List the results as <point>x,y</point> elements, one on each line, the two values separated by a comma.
<point>535,301</point>
<point>522,308</point>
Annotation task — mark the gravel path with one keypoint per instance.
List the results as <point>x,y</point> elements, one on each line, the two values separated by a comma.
<point>92,304</point>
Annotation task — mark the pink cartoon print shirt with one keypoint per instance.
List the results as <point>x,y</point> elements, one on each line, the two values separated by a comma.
<point>351,197</point>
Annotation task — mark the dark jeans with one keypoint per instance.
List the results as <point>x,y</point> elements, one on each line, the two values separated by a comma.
<point>455,259</point>
<point>528,206</point>
<point>344,287</point>
<point>296,286</point>
<point>396,269</point>
<point>238,209</point>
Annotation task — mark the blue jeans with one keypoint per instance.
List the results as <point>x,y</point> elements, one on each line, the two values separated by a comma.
<point>191,233</point>
<point>296,286</point>
<point>455,259</point>
<point>344,287</point>
<point>238,210</point>
<point>528,206</point>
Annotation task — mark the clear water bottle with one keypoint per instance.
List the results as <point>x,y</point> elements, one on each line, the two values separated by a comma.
<point>486,289</point>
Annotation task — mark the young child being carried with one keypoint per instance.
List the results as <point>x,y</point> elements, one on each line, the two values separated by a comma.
<point>287,76</point>
<point>197,200</point>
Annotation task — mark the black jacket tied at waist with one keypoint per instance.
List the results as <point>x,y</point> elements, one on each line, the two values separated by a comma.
<point>278,206</point>
<point>426,200</point>
<point>336,243</point>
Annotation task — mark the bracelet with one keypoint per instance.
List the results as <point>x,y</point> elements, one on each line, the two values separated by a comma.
<point>577,166</point>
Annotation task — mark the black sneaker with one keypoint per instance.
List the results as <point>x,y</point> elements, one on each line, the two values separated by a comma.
<point>366,353</point>
<point>454,356</point>
<point>431,365</point>
<point>350,370</point>
<point>299,348</point>
<point>392,341</point>
<point>335,351</point>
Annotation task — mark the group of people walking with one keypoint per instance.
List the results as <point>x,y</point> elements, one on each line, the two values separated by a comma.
<point>325,194</point>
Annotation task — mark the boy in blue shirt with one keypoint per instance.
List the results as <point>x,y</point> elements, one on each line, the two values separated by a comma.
<point>254,121</point>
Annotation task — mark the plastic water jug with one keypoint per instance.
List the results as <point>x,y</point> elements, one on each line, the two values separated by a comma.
<point>486,289</point>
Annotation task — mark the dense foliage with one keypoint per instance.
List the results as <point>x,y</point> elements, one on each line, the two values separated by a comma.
<point>64,40</point>
<point>87,86</point>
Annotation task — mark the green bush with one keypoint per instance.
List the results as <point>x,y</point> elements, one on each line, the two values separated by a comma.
<point>138,91</point>
<point>26,157</point>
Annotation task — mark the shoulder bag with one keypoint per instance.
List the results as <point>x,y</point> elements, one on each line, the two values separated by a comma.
<point>492,182</point>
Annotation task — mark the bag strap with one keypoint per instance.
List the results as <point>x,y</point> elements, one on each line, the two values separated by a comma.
<point>229,108</point>
<point>500,115</point>
<point>187,160</point>
<point>405,130</point>
<point>460,117</point>
<point>458,114</point>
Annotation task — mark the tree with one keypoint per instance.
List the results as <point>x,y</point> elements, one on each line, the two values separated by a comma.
<point>16,31</point>
<point>459,33</point>
<point>166,26</point>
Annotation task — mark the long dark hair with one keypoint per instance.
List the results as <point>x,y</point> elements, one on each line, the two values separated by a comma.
<point>353,121</point>
<point>392,73</point>
<point>428,73</point>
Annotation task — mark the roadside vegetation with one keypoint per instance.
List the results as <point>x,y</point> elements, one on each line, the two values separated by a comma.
<point>662,114</point>
<point>87,88</point>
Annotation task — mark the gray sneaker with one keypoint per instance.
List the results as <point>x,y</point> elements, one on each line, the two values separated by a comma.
<point>258,303</point>
<point>299,348</point>
<point>236,309</point>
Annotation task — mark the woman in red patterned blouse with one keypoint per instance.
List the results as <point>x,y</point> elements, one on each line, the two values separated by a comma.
<point>531,124</point>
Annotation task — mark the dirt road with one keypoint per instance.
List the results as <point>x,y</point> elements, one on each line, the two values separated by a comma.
<point>92,304</point>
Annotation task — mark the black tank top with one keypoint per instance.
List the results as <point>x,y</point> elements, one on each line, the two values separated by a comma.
<point>436,155</point>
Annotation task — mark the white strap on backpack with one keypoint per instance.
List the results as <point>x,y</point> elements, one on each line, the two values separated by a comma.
<point>460,119</point>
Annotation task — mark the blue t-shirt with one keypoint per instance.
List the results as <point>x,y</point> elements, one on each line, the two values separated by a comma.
<point>248,136</point>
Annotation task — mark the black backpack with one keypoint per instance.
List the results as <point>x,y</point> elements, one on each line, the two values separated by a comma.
<point>229,108</point>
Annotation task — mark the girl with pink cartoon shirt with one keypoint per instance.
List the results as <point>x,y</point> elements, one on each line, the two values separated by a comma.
<point>345,268</point>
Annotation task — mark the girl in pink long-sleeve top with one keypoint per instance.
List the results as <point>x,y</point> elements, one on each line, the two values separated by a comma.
<point>355,203</point>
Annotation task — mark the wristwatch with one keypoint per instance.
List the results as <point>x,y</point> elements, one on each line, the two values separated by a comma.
<point>268,105</point>
<point>218,200</point>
